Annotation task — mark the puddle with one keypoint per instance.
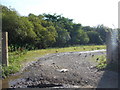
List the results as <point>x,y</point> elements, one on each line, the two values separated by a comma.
<point>44,85</point>
<point>7,82</point>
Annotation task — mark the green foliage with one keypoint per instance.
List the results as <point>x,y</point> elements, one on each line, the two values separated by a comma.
<point>88,28</point>
<point>94,37</point>
<point>45,31</point>
<point>62,38</point>
<point>25,31</point>
<point>80,37</point>
<point>48,30</point>
<point>102,63</point>
<point>15,58</point>
<point>20,29</point>
<point>6,71</point>
<point>101,29</point>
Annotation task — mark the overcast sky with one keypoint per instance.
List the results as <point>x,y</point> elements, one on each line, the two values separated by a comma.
<point>86,12</point>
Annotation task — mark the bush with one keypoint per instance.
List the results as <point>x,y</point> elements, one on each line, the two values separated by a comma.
<point>15,57</point>
<point>7,70</point>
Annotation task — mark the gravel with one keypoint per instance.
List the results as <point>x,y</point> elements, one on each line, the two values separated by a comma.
<point>66,70</point>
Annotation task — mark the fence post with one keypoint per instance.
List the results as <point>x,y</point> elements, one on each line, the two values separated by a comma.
<point>5,48</point>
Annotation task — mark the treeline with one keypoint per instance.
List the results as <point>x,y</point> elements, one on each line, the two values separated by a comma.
<point>46,30</point>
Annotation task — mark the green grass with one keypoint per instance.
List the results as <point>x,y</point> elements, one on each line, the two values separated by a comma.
<point>15,59</point>
<point>102,64</point>
<point>18,59</point>
<point>100,61</point>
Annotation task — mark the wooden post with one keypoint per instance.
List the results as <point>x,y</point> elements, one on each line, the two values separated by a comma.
<point>5,48</point>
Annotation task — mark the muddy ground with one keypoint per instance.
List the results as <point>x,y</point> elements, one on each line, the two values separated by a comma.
<point>66,70</point>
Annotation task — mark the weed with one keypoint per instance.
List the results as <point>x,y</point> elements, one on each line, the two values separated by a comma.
<point>15,58</point>
<point>101,62</point>
<point>9,70</point>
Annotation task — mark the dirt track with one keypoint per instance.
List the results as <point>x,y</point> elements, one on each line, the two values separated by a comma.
<point>65,70</point>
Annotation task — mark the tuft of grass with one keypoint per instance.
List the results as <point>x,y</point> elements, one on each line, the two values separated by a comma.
<point>103,65</point>
<point>101,62</point>
<point>6,71</point>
